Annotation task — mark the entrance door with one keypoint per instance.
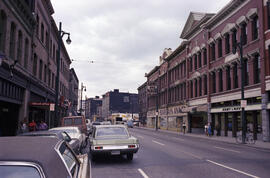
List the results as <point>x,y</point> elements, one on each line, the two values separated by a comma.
<point>8,119</point>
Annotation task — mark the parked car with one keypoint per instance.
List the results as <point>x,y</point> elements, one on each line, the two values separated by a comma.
<point>74,133</point>
<point>40,157</point>
<point>113,140</point>
<point>60,134</point>
<point>105,123</point>
<point>78,121</point>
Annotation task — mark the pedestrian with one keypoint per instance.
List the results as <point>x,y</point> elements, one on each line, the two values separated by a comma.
<point>209,129</point>
<point>43,125</point>
<point>206,129</point>
<point>184,127</point>
<point>32,125</point>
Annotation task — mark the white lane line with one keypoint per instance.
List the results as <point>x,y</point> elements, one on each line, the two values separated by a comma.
<point>227,167</point>
<point>226,149</point>
<point>142,173</point>
<point>158,142</point>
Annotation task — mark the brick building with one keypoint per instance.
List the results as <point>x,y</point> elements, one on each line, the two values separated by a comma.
<point>73,92</point>
<point>200,81</point>
<point>92,107</point>
<point>28,44</point>
<point>142,97</point>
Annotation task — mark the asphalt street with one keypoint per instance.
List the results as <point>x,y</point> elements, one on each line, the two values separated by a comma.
<point>166,155</point>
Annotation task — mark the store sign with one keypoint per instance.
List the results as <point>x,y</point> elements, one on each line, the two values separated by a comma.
<point>52,106</point>
<point>230,109</point>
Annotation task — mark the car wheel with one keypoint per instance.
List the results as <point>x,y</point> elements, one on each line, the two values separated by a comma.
<point>130,156</point>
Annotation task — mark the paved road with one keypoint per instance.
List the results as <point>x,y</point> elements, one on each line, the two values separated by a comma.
<point>166,155</point>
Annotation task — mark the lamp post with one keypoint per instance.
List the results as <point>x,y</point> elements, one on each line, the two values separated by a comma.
<point>82,87</point>
<point>61,33</point>
<point>243,118</point>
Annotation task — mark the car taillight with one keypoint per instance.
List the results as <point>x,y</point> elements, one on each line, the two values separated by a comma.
<point>98,147</point>
<point>131,146</point>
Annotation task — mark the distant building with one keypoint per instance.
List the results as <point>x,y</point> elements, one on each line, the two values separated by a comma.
<point>117,102</point>
<point>73,92</point>
<point>142,97</point>
<point>92,108</point>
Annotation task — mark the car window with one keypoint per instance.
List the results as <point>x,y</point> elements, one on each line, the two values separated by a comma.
<point>71,130</point>
<point>18,171</point>
<point>70,159</point>
<point>78,121</point>
<point>107,131</point>
<point>68,121</point>
<point>66,137</point>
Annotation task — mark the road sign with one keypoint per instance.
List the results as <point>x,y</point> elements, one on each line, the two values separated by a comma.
<point>243,103</point>
<point>52,106</point>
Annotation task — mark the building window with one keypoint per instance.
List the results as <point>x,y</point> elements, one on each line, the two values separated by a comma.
<point>191,89</point>
<point>205,84</point>
<point>257,69</point>
<point>45,73</point>
<point>190,64</point>
<point>195,62</point>
<point>235,75</point>
<point>205,57</point>
<point>54,52</point>
<point>220,75</point>
<point>26,52</point>
<point>244,33</point>
<point>228,77</point>
<point>255,28</point>
<point>184,68</point>
<point>37,26</point>
<point>40,69</point>
<point>268,14</point>
<point>234,37</point>
<point>3,26</point>
<point>200,59</point>
<point>219,47</point>
<point>47,40</point>
<point>246,71</point>
<point>196,88</point>
<point>42,32</point>
<point>49,78</point>
<point>184,91</point>
<point>19,47</point>
<point>214,82</point>
<point>227,43</point>
<point>12,41</point>
<point>213,51</point>
<point>35,65</point>
<point>200,86</point>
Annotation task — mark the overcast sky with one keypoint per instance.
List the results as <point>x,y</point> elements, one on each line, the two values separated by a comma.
<point>124,38</point>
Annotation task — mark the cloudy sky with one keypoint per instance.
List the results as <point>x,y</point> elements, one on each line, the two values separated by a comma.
<point>124,38</point>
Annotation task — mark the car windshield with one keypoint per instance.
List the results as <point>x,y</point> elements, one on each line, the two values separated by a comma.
<point>78,121</point>
<point>71,130</point>
<point>111,131</point>
<point>18,171</point>
<point>67,121</point>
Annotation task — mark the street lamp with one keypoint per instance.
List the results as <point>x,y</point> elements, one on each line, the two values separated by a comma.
<point>61,33</point>
<point>243,118</point>
<point>82,87</point>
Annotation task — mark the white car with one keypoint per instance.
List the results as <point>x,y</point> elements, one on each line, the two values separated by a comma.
<point>74,133</point>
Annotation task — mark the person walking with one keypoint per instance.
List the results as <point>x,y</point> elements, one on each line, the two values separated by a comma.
<point>206,129</point>
<point>32,125</point>
<point>184,127</point>
<point>209,129</point>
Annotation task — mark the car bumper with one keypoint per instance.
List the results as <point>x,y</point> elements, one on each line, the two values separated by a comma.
<point>113,149</point>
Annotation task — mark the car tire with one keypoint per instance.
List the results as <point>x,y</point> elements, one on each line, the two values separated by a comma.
<point>130,156</point>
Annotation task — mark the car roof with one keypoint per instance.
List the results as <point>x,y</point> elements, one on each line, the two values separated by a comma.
<point>117,125</point>
<point>72,117</point>
<point>45,132</point>
<point>65,127</point>
<point>39,150</point>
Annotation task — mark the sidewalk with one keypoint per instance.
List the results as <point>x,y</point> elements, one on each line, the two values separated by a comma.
<point>258,144</point>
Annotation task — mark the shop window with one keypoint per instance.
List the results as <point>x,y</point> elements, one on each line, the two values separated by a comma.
<point>257,69</point>
<point>3,26</point>
<point>26,52</point>
<point>200,59</point>
<point>213,51</point>
<point>227,43</point>
<point>219,47</point>
<point>205,84</point>
<point>12,41</point>
<point>228,76</point>
<point>246,71</point>
<point>205,56</point>
<point>255,28</point>
<point>235,75</point>
<point>220,75</point>
<point>214,82</point>
<point>244,34</point>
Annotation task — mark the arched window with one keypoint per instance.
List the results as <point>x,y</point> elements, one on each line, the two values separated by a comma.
<point>37,26</point>
<point>19,47</point>
<point>42,33</point>
<point>26,52</point>
<point>3,26</point>
<point>12,41</point>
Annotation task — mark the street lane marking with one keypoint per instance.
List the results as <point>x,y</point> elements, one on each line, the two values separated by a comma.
<point>142,173</point>
<point>227,167</point>
<point>158,142</point>
<point>226,149</point>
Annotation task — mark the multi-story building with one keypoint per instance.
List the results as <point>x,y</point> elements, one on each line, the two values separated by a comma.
<point>200,82</point>
<point>73,92</point>
<point>92,106</point>
<point>28,44</point>
<point>142,97</point>
<point>118,102</point>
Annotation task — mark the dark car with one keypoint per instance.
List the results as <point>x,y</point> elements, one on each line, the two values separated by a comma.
<point>40,157</point>
<point>74,143</point>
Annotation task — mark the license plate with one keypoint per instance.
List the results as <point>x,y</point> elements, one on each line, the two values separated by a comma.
<point>115,153</point>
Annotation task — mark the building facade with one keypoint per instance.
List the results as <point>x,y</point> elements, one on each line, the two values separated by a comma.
<point>142,97</point>
<point>200,81</point>
<point>92,107</point>
<point>73,92</point>
<point>28,42</point>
